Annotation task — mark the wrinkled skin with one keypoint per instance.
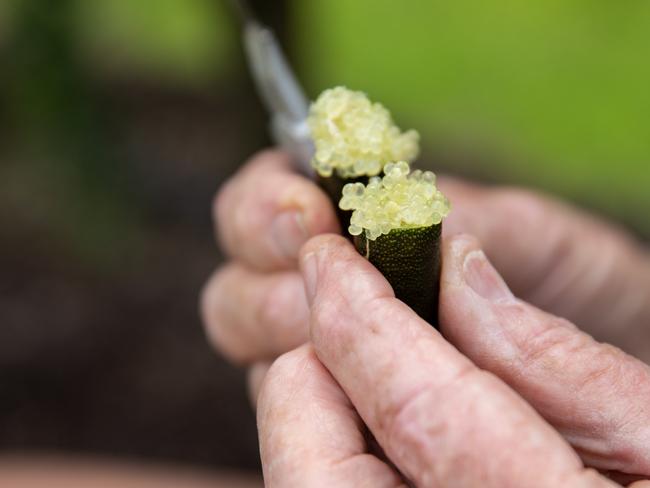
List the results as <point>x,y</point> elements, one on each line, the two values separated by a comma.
<point>365,393</point>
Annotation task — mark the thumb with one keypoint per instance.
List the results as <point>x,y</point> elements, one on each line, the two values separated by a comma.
<point>560,258</point>
<point>597,396</point>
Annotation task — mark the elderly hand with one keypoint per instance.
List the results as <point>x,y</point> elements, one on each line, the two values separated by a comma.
<point>552,255</point>
<point>379,398</point>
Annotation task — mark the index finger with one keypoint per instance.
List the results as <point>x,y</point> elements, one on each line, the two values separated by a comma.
<point>267,211</point>
<point>440,419</point>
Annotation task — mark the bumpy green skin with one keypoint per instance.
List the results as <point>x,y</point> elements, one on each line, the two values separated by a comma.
<point>410,260</point>
<point>333,186</point>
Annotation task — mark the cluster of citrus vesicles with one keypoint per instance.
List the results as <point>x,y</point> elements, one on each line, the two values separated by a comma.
<point>398,200</point>
<point>355,137</point>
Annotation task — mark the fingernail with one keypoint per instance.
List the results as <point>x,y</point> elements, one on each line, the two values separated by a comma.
<point>289,233</point>
<point>310,275</point>
<point>481,276</point>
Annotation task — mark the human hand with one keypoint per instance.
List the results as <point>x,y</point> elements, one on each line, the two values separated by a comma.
<point>438,419</point>
<point>560,259</point>
<point>254,307</point>
<point>551,255</point>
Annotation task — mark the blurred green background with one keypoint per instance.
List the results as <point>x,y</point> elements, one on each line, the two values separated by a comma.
<point>547,93</point>
<point>119,119</point>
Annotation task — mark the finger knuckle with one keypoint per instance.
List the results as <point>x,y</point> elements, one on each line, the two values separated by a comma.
<point>329,323</point>
<point>232,344</point>
<point>560,348</point>
<point>273,307</point>
<point>553,343</point>
<point>217,317</point>
<point>222,211</point>
<point>283,372</point>
<point>416,425</point>
<point>287,364</point>
<point>233,213</point>
<point>411,419</point>
<point>209,306</point>
<point>240,219</point>
<point>603,362</point>
<point>222,199</point>
<point>607,373</point>
<point>283,308</point>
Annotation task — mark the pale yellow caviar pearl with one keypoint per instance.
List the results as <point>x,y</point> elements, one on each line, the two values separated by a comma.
<point>398,200</point>
<point>356,137</point>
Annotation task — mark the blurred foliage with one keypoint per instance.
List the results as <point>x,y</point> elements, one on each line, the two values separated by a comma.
<point>62,176</point>
<point>118,119</point>
<point>182,41</point>
<point>546,93</point>
<point>5,21</point>
<point>549,93</point>
<point>188,41</point>
<point>64,173</point>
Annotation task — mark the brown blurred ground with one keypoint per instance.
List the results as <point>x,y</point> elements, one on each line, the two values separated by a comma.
<point>59,472</point>
<point>105,241</point>
<point>115,361</point>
